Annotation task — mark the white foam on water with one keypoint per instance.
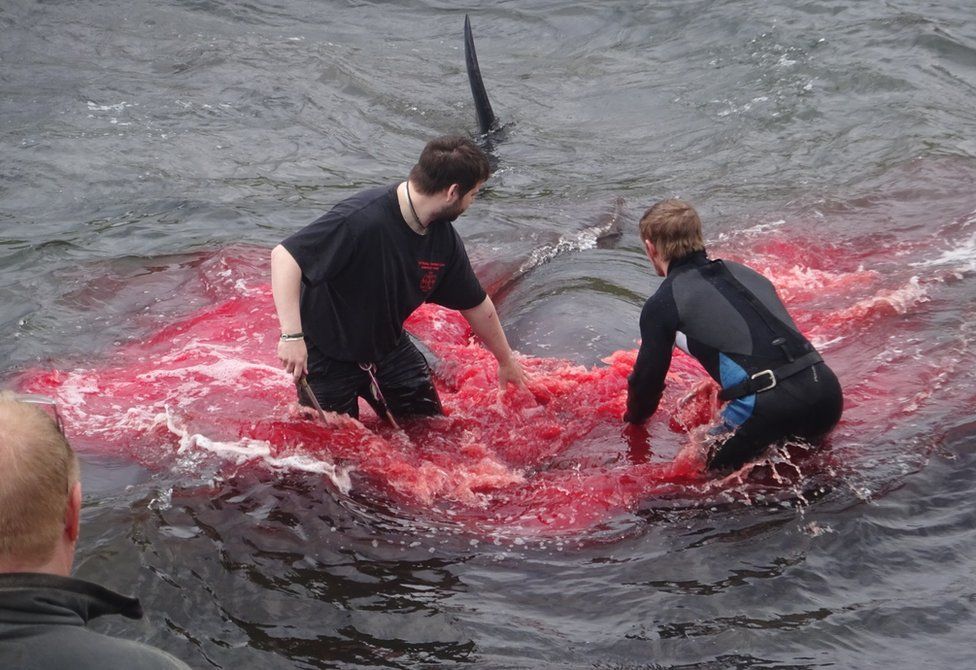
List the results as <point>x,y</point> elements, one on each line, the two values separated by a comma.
<point>902,299</point>
<point>75,390</point>
<point>758,228</point>
<point>822,343</point>
<point>803,278</point>
<point>226,367</point>
<point>118,107</point>
<point>961,258</point>
<point>579,241</point>
<point>247,449</point>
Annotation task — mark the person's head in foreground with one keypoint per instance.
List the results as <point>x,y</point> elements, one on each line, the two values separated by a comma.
<point>40,492</point>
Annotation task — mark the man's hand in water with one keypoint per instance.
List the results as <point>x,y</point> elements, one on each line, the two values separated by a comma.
<point>484,322</point>
<point>293,355</point>
<point>511,373</point>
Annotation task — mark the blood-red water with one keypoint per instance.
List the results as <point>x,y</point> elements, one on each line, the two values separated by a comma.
<point>555,457</point>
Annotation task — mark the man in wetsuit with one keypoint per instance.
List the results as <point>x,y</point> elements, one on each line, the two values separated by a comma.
<point>43,611</point>
<point>344,285</point>
<point>776,385</point>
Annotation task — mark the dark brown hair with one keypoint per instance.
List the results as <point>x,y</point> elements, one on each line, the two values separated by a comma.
<point>447,160</point>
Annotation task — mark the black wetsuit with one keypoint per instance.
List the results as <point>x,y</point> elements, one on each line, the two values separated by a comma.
<point>364,271</point>
<point>42,626</point>
<point>730,318</point>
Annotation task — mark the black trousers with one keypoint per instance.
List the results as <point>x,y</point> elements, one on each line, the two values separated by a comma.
<point>805,406</point>
<point>404,378</point>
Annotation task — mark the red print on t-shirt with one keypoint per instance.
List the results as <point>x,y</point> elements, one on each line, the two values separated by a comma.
<point>429,278</point>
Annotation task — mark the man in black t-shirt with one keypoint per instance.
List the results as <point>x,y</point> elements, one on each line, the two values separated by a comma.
<point>344,285</point>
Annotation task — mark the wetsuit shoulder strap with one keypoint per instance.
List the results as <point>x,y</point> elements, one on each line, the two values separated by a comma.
<point>765,380</point>
<point>773,322</point>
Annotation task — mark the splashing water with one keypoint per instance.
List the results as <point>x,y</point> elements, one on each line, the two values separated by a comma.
<point>553,458</point>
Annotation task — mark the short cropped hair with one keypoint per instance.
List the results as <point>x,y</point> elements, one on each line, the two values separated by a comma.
<point>38,469</point>
<point>673,227</point>
<point>448,160</point>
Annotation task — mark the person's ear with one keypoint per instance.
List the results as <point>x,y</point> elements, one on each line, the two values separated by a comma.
<point>72,513</point>
<point>650,250</point>
<point>454,192</point>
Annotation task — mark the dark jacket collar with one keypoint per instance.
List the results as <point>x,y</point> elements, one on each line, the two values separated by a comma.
<point>692,260</point>
<point>28,597</point>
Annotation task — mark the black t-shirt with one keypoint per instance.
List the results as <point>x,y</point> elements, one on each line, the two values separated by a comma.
<point>364,271</point>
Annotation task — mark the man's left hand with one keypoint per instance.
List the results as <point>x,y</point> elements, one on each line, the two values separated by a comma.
<point>511,373</point>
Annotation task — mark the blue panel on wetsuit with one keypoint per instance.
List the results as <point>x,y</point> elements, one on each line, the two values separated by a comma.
<point>737,411</point>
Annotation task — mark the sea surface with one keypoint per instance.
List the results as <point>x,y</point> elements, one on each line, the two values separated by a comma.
<point>154,152</point>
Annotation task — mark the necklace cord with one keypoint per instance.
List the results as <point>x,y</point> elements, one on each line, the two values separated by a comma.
<point>412,210</point>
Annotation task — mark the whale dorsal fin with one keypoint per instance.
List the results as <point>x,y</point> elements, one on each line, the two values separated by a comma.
<point>487,121</point>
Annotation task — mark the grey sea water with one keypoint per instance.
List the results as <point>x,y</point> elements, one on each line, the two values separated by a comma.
<point>137,138</point>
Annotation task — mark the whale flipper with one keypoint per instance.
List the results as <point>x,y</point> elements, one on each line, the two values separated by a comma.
<point>487,121</point>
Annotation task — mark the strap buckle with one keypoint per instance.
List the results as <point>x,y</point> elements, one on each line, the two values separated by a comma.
<point>772,380</point>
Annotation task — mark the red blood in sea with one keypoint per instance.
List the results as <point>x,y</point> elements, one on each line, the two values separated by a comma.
<point>553,457</point>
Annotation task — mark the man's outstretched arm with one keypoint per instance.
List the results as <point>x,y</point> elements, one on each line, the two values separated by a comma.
<point>658,323</point>
<point>485,324</point>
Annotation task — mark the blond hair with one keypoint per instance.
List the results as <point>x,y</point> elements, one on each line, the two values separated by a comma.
<point>673,227</point>
<point>38,469</point>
